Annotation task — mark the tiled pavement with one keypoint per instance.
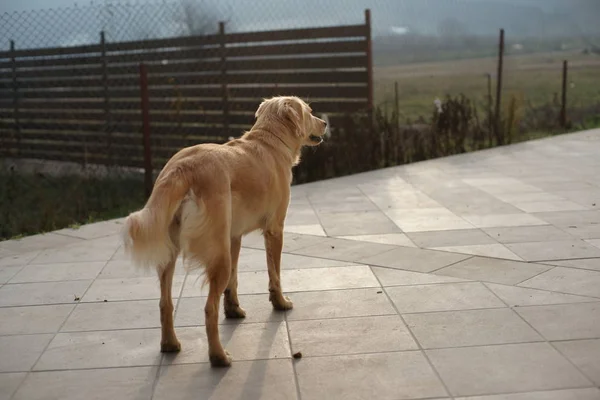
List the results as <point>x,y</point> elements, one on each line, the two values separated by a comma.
<point>469,277</point>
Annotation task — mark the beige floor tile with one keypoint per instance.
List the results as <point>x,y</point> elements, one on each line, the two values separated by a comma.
<point>9,382</point>
<point>397,277</point>
<point>559,250</point>
<point>19,353</point>
<point>463,237</point>
<point>339,304</point>
<point>523,234</point>
<point>346,250</point>
<point>116,289</point>
<point>396,239</point>
<point>18,259</point>
<point>25,294</point>
<point>549,206</point>
<point>505,368</point>
<point>243,341</point>
<point>586,263</point>
<point>427,219</point>
<point>115,383</point>
<point>487,250</point>
<point>493,270</point>
<point>58,272</point>
<point>564,321</point>
<point>565,394</point>
<point>516,296</point>
<point>350,336</point>
<point>567,280</point>
<point>256,380</point>
<point>310,229</point>
<point>469,328</point>
<point>6,273</point>
<point>34,319</point>
<point>105,349</point>
<point>503,220</point>
<point>442,297</point>
<point>385,376</point>
<point>413,259</point>
<point>585,354</point>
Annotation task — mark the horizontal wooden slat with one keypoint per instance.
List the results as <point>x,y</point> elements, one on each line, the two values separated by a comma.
<point>298,34</point>
<point>234,92</point>
<point>358,61</point>
<point>51,51</point>
<point>352,46</point>
<point>52,62</point>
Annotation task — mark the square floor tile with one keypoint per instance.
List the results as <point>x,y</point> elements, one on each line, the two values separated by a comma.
<point>311,229</point>
<point>116,289</point>
<point>256,260</point>
<point>114,315</point>
<point>38,242</point>
<point>9,382</point>
<point>357,223</point>
<point>116,383</point>
<point>549,206</point>
<point>470,328</point>
<point>583,230</point>
<point>58,272</point>
<point>339,304</point>
<point>586,263</point>
<point>427,219</point>
<point>384,376</point>
<point>396,239</point>
<point>105,349</point>
<point>516,296</point>
<point>523,234</point>
<point>35,319</point>
<point>402,198</point>
<point>25,294</point>
<point>397,277</point>
<point>566,394</point>
<point>461,237</point>
<point>350,336</point>
<point>412,259</point>
<point>567,280</point>
<point>570,218</point>
<point>493,270</point>
<point>505,368</point>
<point>19,353</point>
<point>358,204</point>
<point>564,321</point>
<point>124,268</point>
<point>17,259</point>
<point>243,341</point>
<point>347,250</point>
<point>442,297</point>
<point>253,380</point>
<point>89,250</point>
<point>6,273</point>
<point>190,311</point>
<point>486,250</point>
<point>95,230</point>
<point>503,220</point>
<point>559,250</point>
<point>585,354</point>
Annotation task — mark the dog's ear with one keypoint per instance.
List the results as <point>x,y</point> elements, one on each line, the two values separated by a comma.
<point>290,110</point>
<point>260,108</point>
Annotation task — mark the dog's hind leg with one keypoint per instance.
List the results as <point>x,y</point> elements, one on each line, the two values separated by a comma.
<point>217,272</point>
<point>168,341</point>
<point>231,302</point>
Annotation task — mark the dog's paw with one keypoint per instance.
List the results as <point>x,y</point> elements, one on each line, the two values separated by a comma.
<point>171,347</point>
<point>235,312</point>
<point>220,360</point>
<point>283,304</point>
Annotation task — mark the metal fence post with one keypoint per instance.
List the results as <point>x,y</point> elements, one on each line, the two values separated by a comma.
<point>145,104</point>
<point>107,119</point>
<point>15,89</point>
<point>498,116</point>
<point>369,62</point>
<point>225,96</point>
<point>563,108</point>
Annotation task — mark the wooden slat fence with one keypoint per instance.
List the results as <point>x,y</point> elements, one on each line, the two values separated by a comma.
<point>83,104</point>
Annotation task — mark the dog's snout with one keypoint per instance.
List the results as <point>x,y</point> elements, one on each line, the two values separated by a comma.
<point>325,124</point>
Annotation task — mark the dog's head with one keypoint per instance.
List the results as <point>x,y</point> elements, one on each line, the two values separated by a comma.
<point>295,115</point>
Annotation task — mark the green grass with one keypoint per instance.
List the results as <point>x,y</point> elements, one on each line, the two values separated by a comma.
<point>36,203</point>
<point>535,79</point>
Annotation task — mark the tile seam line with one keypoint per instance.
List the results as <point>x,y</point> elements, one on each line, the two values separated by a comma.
<point>57,331</point>
<point>414,338</point>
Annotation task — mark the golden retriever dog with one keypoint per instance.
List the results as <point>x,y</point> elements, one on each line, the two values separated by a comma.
<point>207,197</point>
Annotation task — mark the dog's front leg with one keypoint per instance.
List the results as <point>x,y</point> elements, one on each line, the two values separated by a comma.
<point>274,245</point>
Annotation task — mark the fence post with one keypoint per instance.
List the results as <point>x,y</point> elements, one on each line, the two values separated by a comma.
<point>490,105</point>
<point>15,89</point>
<point>498,117</point>
<point>563,108</point>
<point>396,140</point>
<point>146,129</point>
<point>224,93</point>
<point>369,62</point>
<point>107,122</point>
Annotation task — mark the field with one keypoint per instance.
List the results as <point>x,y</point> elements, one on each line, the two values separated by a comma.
<point>535,79</point>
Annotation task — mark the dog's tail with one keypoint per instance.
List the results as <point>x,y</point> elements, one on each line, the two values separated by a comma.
<point>146,235</point>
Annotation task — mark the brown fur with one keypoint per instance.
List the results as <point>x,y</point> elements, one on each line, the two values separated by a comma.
<point>208,196</point>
